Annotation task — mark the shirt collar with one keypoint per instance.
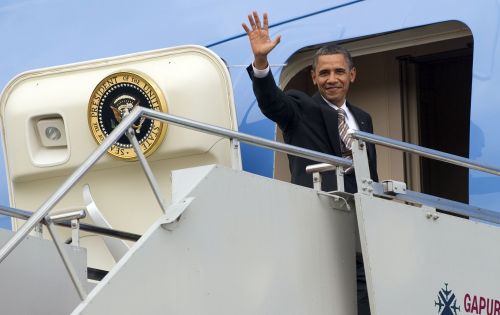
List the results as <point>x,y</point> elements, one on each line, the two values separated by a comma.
<point>344,107</point>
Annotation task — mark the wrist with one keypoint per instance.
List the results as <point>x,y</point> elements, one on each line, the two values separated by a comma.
<point>260,63</point>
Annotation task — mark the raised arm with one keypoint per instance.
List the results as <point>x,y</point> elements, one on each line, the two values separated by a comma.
<point>259,39</point>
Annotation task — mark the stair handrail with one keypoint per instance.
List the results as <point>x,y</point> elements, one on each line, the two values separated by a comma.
<point>123,128</point>
<point>422,151</point>
<point>41,214</point>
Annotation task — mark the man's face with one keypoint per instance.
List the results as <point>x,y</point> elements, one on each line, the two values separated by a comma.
<point>332,76</point>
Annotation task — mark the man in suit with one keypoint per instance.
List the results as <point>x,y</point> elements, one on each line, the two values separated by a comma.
<point>318,122</point>
<point>310,122</point>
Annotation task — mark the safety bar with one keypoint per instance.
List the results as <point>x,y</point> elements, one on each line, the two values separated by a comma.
<point>320,168</point>
<point>429,153</point>
<point>317,169</point>
<point>65,222</point>
<point>70,215</point>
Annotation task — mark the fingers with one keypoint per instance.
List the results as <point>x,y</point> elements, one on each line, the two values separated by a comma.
<point>245,27</point>
<point>252,22</point>
<point>276,41</point>
<point>266,21</point>
<point>257,19</point>
<point>255,24</point>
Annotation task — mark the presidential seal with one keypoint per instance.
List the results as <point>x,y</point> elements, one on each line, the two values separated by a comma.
<point>115,97</point>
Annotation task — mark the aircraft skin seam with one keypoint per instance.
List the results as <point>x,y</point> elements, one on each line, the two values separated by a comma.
<point>287,21</point>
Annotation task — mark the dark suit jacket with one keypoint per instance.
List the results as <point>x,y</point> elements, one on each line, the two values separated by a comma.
<point>309,122</point>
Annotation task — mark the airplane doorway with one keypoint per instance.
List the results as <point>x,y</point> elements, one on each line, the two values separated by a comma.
<point>401,78</point>
<point>444,94</point>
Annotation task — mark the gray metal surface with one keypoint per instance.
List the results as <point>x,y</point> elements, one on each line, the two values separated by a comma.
<point>243,244</point>
<point>412,254</point>
<point>34,280</point>
<point>77,283</point>
<point>441,204</point>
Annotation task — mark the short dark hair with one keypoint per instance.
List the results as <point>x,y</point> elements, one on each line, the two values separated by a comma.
<point>332,49</point>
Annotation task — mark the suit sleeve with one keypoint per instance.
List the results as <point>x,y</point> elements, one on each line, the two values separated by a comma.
<point>274,103</point>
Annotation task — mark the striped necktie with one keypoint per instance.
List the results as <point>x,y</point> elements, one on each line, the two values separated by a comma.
<point>344,136</point>
<point>346,144</point>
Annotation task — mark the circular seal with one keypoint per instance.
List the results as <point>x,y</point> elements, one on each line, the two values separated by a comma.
<point>113,98</point>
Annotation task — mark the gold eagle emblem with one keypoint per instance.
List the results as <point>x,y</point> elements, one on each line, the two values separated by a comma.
<point>114,98</point>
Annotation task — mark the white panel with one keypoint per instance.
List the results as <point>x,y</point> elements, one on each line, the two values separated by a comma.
<point>196,85</point>
<point>410,258</point>
<point>245,245</point>
<point>194,81</point>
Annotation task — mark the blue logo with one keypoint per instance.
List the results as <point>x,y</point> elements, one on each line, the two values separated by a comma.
<point>447,302</point>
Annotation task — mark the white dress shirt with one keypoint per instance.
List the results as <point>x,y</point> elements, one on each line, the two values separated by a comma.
<point>350,120</point>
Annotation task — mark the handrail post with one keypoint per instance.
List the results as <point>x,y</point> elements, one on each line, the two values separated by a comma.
<point>75,232</point>
<point>317,181</point>
<point>235,154</point>
<point>361,167</point>
<point>317,169</point>
<point>147,169</point>
<point>339,172</point>
<point>74,217</point>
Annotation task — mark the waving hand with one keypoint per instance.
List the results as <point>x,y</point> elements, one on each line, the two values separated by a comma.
<point>259,39</point>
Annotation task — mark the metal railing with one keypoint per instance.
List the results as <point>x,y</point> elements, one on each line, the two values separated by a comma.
<point>41,214</point>
<point>65,222</point>
<point>317,169</point>
<point>425,152</point>
<point>450,206</point>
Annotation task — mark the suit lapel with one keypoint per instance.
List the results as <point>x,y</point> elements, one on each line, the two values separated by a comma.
<point>359,116</point>
<point>331,123</point>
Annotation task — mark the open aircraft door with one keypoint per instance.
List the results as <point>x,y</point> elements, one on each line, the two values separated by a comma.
<point>54,118</point>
